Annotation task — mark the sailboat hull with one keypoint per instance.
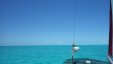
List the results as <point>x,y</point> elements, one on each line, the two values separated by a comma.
<point>84,61</point>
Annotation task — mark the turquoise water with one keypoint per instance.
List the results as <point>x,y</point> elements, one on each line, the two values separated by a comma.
<point>56,54</point>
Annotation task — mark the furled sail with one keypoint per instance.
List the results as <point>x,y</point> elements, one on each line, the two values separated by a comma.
<point>110,52</point>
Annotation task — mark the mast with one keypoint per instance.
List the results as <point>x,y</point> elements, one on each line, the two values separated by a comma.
<point>110,51</point>
<point>74,47</point>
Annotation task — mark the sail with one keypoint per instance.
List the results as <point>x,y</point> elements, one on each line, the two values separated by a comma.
<point>110,52</point>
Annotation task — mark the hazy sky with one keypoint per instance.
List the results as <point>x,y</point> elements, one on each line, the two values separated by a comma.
<point>50,22</point>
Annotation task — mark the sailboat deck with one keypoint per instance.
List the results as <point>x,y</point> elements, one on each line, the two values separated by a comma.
<point>83,61</point>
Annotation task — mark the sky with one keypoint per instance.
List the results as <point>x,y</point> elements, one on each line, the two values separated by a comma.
<point>51,22</point>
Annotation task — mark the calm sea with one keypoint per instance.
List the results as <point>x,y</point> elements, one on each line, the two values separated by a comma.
<point>50,54</point>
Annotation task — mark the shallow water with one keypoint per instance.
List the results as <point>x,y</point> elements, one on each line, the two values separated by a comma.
<point>50,54</point>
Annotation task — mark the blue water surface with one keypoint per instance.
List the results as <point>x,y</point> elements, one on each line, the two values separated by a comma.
<point>49,54</point>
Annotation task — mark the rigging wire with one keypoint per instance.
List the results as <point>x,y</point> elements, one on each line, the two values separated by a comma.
<point>74,34</point>
<point>74,19</point>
